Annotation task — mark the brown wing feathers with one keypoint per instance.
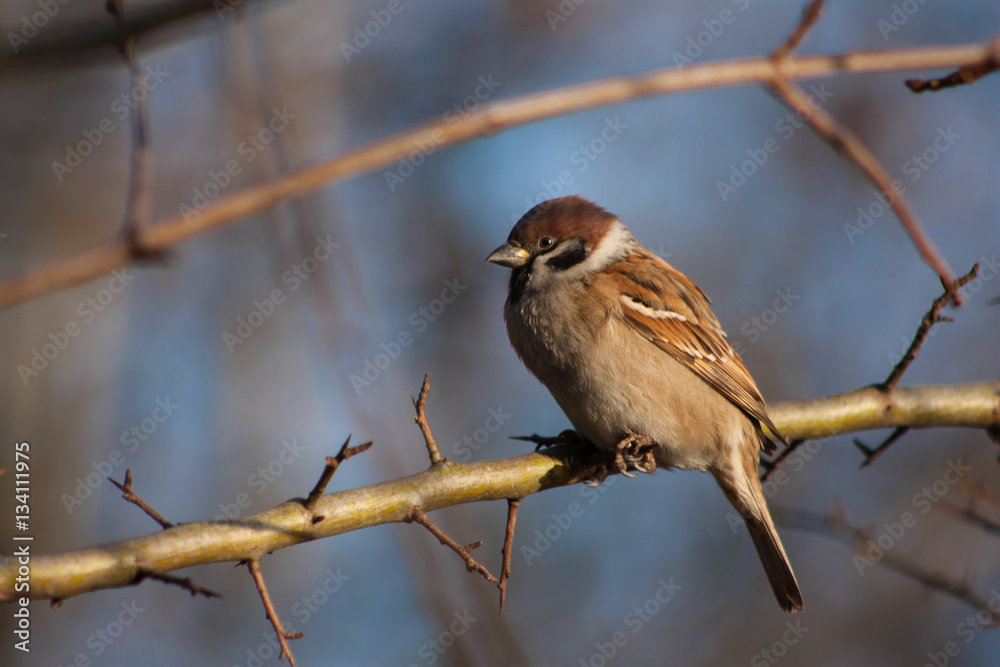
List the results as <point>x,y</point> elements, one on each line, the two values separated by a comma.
<point>685,329</point>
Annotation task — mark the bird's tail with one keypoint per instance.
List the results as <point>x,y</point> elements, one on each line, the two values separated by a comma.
<point>742,488</point>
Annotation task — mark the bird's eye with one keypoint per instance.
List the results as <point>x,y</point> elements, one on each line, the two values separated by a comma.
<point>546,242</point>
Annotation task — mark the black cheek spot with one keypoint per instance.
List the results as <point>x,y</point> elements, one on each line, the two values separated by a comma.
<point>569,258</point>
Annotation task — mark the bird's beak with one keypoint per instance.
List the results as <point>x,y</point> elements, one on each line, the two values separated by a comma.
<point>509,256</point>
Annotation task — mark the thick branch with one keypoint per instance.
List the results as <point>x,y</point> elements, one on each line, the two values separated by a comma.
<point>489,120</point>
<point>120,563</point>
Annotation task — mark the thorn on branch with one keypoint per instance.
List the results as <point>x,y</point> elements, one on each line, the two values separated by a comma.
<point>810,15</point>
<point>471,564</point>
<point>932,317</point>
<point>272,613</point>
<point>421,404</point>
<point>144,573</point>
<point>332,463</point>
<point>872,454</point>
<point>508,544</point>
<point>132,497</point>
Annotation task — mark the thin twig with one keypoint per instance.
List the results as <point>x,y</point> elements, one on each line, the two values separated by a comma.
<point>132,497</point>
<point>183,582</point>
<point>963,76</point>
<point>771,466</point>
<point>974,517</point>
<point>332,463</point>
<point>835,524</point>
<point>932,317</point>
<point>471,564</point>
<point>490,119</point>
<point>844,141</point>
<point>272,613</point>
<point>508,545</point>
<point>871,455</point>
<point>810,15</point>
<point>421,404</point>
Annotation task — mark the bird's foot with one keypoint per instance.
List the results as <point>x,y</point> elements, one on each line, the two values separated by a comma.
<point>634,452</point>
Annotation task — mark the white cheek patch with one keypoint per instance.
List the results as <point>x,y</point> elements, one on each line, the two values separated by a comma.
<point>614,246</point>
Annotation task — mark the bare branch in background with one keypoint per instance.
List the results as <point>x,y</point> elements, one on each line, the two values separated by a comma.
<point>836,524</point>
<point>489,120</point>
<point>845,142</point>
<point>96,35</point>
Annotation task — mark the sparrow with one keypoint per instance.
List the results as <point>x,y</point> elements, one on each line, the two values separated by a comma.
<point>630,349</point>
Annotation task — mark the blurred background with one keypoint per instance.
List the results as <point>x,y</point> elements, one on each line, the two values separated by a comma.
<point>159,378</point>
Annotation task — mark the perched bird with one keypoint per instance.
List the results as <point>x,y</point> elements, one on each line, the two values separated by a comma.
<point>631,351</point>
